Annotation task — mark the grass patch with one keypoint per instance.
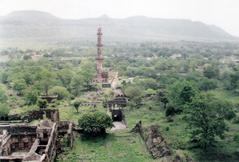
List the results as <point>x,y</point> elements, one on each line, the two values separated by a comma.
<point>120,147</point>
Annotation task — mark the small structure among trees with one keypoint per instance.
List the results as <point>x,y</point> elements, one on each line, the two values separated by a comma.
<point>120,99</point>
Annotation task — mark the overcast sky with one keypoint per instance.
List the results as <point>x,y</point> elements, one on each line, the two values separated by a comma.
<point>223,13</point>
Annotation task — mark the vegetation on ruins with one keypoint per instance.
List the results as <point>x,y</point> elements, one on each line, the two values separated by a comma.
<point>162,90</point>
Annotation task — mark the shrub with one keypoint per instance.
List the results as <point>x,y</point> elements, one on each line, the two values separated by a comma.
<point>167,129</point>
<point>206,120</point>
<point>19,85</point>
<point>236,120</point>
<point>31,97</point>
<point>77,105</point>
<point>211,71</point>
<point>95,123</point>
<point>171,110</point>
<point>207,84</point>
<point>61,92</point>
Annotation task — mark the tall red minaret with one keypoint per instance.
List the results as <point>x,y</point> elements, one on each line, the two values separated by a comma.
<point>99,58</point>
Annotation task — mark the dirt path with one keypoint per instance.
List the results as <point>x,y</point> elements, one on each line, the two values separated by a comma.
<point>118,126</point>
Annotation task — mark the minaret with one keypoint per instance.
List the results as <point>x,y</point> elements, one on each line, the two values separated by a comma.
<point>99,58</point>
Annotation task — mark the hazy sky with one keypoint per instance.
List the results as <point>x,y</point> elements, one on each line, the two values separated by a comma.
<point>223,13</point>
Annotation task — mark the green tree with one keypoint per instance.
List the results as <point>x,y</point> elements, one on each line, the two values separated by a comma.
<point>135,95</point>
<point>61,92</point>
<point>4,77</point>
<point>95,123</point>
<point>76,85</point>
<point>76,105</point>
<point>19,86</point>
<point>234,81</point>
<point>31,96</point>
<point>207,84</point>
<point>3,97</point>
<point>162,96</point>
<point>205,121</point>
<point>186,94</point>
<point>27,57</point>
<point>225,109</point>
<point>87,71</point>
<point>148,83</point>
<point>4,109</point>
<point>211,72</point>
<point>47,80</point>
<point>65,76</point>
<point>181,92</point>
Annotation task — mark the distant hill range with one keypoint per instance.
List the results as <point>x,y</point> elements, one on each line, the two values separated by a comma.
<point>36,25</point>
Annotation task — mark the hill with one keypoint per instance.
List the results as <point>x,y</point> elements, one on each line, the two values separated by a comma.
<point>39,26</point>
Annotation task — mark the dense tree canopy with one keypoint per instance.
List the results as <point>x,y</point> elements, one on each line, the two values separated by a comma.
<point>205,121</point>
<point>61,92</point>
<point>4,109</point>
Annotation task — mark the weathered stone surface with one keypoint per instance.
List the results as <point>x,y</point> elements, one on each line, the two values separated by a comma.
<point>154,141</point>
<point>39,143</point>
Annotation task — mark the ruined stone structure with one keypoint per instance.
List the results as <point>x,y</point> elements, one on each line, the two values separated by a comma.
<point>91,104</point>
<point>21,142</point>
<point>29,143</point>
<point>52,114</point>
<point>49,98</point>
<point>116,105</point>
<point>66,130</point>
<point>154,141</point>
<point>120,99</point>
<point>117,114</point>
